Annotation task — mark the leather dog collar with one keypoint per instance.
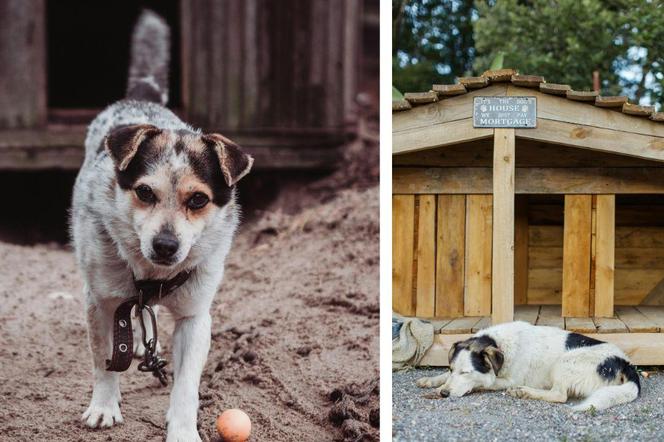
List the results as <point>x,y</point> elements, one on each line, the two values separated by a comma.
<point>123,337</point>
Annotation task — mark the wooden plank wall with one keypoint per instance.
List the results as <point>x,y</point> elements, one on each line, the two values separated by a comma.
<point>22,64</point>
<point>441,262</point>
<point>263,65</point>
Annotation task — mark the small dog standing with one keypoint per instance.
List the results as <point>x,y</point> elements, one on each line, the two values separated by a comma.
<point>537,362</point>
<point>154,199</point>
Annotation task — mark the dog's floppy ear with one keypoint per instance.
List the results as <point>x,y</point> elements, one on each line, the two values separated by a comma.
<point>495,357</point>
<point>233,161</point>
<point>122,143</point>
<point>453,352</point>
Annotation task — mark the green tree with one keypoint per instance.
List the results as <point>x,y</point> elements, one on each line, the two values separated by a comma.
<point>566,40</point>
<point>432,42</point>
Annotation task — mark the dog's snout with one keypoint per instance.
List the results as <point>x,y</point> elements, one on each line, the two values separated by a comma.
<point>165,244</point>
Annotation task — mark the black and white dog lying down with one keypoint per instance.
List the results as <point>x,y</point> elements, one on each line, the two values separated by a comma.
<point>537,362</point>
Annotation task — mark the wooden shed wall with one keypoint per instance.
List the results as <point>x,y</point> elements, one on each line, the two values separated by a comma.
<point>264,65</point>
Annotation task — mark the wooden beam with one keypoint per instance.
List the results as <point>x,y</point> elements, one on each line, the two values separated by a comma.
<point>530,180</point>
<point>642,348</point>
<point>426,257</point>
<point>437,135</point>
<point>477,292</point>
<point>503,226</point>
<point>403,237</point>
<point>595,138</point>
<point>605,255</point>
<point>450,255</point>
<point>576,256</point>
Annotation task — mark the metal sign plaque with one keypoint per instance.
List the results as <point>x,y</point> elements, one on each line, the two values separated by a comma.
<point>505,112</point>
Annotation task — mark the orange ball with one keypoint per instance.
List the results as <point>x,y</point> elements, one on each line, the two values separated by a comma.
<point>234,426</point>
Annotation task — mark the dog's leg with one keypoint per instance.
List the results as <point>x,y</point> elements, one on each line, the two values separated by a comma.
<point>556,394</point>
<point>433,381</point>
<point>500,384</point>
<point>191,343</point>
<point>104,409</point>
<point>139,348</point>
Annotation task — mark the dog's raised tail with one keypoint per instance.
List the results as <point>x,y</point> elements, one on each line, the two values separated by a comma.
<point>150,56</point>
<point>611,395</point>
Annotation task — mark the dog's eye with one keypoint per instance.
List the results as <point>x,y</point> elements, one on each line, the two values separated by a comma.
<point>145,194</point>
<point>197,201</point>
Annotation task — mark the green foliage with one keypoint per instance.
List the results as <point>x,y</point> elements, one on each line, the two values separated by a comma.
<point>432,42</point>
<point>436,41</point>
<point>566,40</point>
<point>396,94</point>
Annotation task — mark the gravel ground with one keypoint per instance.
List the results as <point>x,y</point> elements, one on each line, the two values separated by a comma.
<point>498,417</point>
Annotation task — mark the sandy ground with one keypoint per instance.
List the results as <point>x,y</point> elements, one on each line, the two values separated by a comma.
<point>497,416</point>
<point>295,331</point>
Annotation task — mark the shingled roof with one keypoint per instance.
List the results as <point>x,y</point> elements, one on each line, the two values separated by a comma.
<point>440,92</point>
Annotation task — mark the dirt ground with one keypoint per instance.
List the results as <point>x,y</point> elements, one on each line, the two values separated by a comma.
<point>295,328</point>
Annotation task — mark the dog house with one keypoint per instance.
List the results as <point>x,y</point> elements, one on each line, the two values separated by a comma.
<point>561,224</point>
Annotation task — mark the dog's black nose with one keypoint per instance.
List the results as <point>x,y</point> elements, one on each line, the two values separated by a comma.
<point>165,244</point>
<point>444,393</point>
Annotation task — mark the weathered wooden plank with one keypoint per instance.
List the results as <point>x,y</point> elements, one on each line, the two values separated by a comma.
<point>555,180</point>
<point>416,98</point>
<point>503,226</point>
<point>450,259</point>
<point>528,80</point>
<point>642,348</point>
<point>635,109</point>
<point>521,251</point>
<point>477,293</point>
<point>550,315</point>
<point>605,101</point>
<point>449,90</point>
<point>588,137</point>
<point>22,63</point>
<point>474,82</point>
<point>605,256</point>
<point>485,322</point>
<point>401,105</point>
<point>636,321</point>
<point>426,257</point>
<point>581,95</point>
<point>576,256</point>
<point>436,135</point>
<point>610,325</point>
<point>555,89</point>
<point>527,313</point>
<point>403,237</point>
<point>460,325</point>
<point>655,314</point>
<point>499,75</point>
<point>580,325</point>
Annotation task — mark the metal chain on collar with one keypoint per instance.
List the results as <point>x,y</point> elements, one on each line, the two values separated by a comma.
<point>151,361</point>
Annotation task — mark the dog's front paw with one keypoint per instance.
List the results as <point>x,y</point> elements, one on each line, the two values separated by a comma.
<point>425,382</point>
<point>180,433</point>
<point>102,415</point>
<point>518,392</point>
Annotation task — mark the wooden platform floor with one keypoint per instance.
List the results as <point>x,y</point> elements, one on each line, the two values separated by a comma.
<point>628,319</point>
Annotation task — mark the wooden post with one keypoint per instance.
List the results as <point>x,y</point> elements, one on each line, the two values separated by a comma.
<point>22,64</point>
<point>605,256</point>
<point>576,256</point>
<point>403,237</point>
<point>503,226</point>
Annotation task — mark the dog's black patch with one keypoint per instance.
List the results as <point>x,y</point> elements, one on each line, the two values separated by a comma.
<point>575,340</point>
<point>613,366</point>
<point>137,166</point>
<point>207,168</point>
<point>479,362</point>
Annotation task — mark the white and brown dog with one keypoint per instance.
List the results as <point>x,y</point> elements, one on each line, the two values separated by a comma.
<point>536,362</point>
<point>153,198</point>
